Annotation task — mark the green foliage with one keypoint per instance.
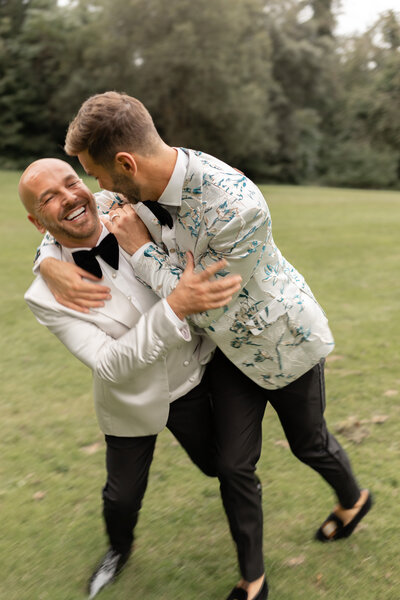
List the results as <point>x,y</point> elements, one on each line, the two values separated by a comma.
<point>304,64</point>
<point>367,119</point>
<point>197,74</point>
<point>345,242</point>
<point>32,68</point>
<point>262,84</point>
<point>357,164</point>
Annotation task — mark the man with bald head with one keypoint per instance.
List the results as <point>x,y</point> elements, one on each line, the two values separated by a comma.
<point>148,367</point>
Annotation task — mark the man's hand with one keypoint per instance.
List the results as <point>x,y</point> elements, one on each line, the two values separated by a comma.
<point>65,281</point>
<point>128,228</point>
<point>197,292</point>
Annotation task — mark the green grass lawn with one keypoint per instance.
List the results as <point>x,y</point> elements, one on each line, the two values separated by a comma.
<point>346,243</point>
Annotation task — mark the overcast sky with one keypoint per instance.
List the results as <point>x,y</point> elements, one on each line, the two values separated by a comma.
<point>358,15</point>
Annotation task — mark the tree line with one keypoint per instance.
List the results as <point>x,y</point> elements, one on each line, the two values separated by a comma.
<point>265,85</point>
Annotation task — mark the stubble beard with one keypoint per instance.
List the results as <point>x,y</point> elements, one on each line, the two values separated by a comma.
<point>124,185</point>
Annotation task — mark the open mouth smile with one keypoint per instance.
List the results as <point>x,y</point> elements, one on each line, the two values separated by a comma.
<point>75,214</point>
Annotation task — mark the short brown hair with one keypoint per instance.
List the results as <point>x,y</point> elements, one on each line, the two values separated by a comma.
<point>109,123</point>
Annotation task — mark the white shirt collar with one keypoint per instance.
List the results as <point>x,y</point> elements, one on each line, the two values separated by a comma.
<point>172,195</point>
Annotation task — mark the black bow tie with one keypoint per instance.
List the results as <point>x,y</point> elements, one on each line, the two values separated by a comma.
<point>159,212</point>
<point>107,249</point>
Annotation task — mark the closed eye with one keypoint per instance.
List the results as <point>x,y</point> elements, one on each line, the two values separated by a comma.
<point>74,183</point>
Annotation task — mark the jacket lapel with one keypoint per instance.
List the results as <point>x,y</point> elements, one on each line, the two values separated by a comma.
<point>118,308</point>
<point>190,214</point>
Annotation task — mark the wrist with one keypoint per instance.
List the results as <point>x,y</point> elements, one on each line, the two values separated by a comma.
<point>46,263</point>
<point>132,248</point>
<point>176,306</point>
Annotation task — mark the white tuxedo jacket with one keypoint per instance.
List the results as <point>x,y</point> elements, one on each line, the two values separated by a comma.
<point>140,362</point>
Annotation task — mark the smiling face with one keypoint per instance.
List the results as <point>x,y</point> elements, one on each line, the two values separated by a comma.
<point>58,201</point>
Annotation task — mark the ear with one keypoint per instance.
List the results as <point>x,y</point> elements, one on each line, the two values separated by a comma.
<point>126,161</point>
<point>36,223</point>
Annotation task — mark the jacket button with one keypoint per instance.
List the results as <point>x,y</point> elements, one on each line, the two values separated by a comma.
<point>185,363</point>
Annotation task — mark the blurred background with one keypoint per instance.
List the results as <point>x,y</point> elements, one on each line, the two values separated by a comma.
<point>289,91</point>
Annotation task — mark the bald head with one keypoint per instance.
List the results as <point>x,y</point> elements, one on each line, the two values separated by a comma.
<point>58,201</point>
<point>37,172</point>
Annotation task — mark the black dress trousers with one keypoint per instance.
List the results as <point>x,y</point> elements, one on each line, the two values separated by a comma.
<point>128,461</point>
<point>239,406</point>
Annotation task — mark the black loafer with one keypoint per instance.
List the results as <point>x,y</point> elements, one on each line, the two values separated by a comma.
<point>241,594</point>
<point>333,529</point>
<point>107,570</point>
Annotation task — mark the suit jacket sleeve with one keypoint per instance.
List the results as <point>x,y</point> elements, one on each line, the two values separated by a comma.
<point>239,238</point>
<point>113,360</point>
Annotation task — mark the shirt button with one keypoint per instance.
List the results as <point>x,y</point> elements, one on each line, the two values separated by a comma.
<point>191,379</point>
<point>185,363</point>
<point>129,297</point>
<point>114,275</point>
